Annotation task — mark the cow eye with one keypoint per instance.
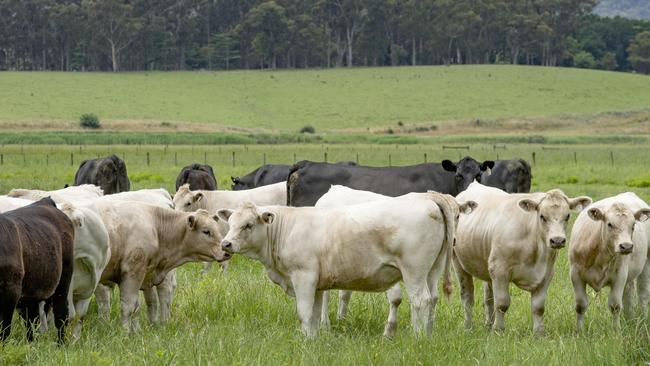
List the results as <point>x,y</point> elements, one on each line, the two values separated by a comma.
<point>542,217</point>
<point>206,232</point>
<point>609,225</point>
<point>188,204</point>
<point>248,227</point>
<point>567,217</point>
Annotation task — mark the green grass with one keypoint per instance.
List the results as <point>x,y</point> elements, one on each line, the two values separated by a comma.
<point>242,318</point>
<point>326,99</point>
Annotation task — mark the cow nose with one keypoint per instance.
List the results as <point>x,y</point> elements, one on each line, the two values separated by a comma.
<point>226,245</point>
<point>625,248</point>
<point>557,242</point>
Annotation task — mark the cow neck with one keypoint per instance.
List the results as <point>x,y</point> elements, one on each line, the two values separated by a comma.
<point>272,248</point>
<point>605,257</point>
<point>171,233</point>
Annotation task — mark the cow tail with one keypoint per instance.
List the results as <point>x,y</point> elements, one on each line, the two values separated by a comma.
<point>291,180</point>
<point>446,206</point>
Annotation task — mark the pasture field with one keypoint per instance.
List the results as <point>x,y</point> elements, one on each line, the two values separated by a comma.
<point>330,100</point>
<point>242,318</point>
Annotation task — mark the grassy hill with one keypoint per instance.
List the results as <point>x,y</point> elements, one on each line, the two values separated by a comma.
<point>336,99</point>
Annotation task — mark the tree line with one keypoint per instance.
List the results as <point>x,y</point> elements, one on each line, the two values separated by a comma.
<point>126,35</point>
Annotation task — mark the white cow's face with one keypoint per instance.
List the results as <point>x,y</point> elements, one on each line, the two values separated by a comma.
<point>553,212</point>
<point>617,226</point>
<point>186,200</point>
<point>248,229</point>
<point>202,241</point>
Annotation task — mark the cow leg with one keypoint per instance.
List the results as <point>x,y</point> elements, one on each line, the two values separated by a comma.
<point>129,308</point>
<point>420,296</point>
<point>628,300</point>
<point>466,291</point>
<point>207,266</point>
<point>643,289</point>
<point>488,304</point>
<point>304,285</point>
<point>616,299</point>
<point>29,312</point>
<point>81,309</point>
<point>394,295</point>
<point>537,302</point>
<point>501,302</point>
<point>344,300</point>
<point>8,302</point>
<point>166,294</point>
<point>324,312</point>
<point>317,309</point>
<point>42,317</point>
<point>582,300</point>
<point>103,298</point>
<point>151,299</point>
<point>60,308</point>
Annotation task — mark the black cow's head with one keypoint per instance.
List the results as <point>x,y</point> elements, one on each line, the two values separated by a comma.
<point>237,184</point>
<point>467,170</point>
<point>112,176</point>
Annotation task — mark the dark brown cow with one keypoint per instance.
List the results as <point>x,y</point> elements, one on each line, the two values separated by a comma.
<point>198,176</point>
<point>36,260</point>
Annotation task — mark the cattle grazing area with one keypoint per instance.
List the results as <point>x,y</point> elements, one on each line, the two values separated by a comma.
<point>241,317</point>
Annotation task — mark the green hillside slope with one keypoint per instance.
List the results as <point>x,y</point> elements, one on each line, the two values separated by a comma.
<point>326,99</point>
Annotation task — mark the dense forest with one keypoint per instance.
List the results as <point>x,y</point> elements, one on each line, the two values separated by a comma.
<point>124,35</point>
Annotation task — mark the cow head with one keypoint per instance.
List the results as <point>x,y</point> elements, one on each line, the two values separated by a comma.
<point>467,170</point>
<point>247,232</point>
<point>202,240</point>
<point>187,200</point>
<point>552,212</point>
<point>112,176</point>
<point>617,225</point>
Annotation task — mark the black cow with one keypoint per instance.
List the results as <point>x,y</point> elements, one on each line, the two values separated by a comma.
<point>262,176</point>
<point>512,176</point>
<point>199,177</point>
<point>308,181</point>
<point>36,260</point>
<point>109,173</point>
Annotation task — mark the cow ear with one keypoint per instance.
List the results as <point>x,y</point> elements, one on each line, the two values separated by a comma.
<point>234,179</point>
<point>596,214</point>
<point>579,203</point>
<point>467,207</point>
<point>191,221</point>
<point>268,217</point>
<point>449,166</point>
<point>642,215</point>
<point>66,185</point>
<point>197,197</point>
<point>528,205</point>
<point>487,167</point>
<point>224,214</point>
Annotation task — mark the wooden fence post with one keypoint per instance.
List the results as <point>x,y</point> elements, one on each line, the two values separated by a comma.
<point>534,162</point>
<point>176,158</point>
<point>233,158</point>
<point>148,158</point>
<point>264,159</point>
<point>205,157</point>
<point>390,163</point>
<point>325,156</point>
<point>71,159</point>
<point>425,157</point>
<point>575,158</point>
<point>611,156</point>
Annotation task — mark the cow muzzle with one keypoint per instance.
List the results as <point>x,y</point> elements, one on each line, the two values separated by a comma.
<point>625,248</point>
<point>227,246</point>
<point>557,242</point>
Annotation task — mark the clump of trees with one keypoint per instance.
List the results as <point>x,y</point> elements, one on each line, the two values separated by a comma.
<point>225,34</point>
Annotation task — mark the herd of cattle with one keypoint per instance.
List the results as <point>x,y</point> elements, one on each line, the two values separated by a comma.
<point>316,227</point>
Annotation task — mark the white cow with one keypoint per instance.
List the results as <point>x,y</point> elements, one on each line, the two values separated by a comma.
<point>147,242</point>
<point>159,297</point>
<point>68,194</point>
<point>338,196</point>
<point>609,248</point>
<point>91,254</point>
<point>188,201</point>
<point>510,238</point>
<point>365,247</point>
